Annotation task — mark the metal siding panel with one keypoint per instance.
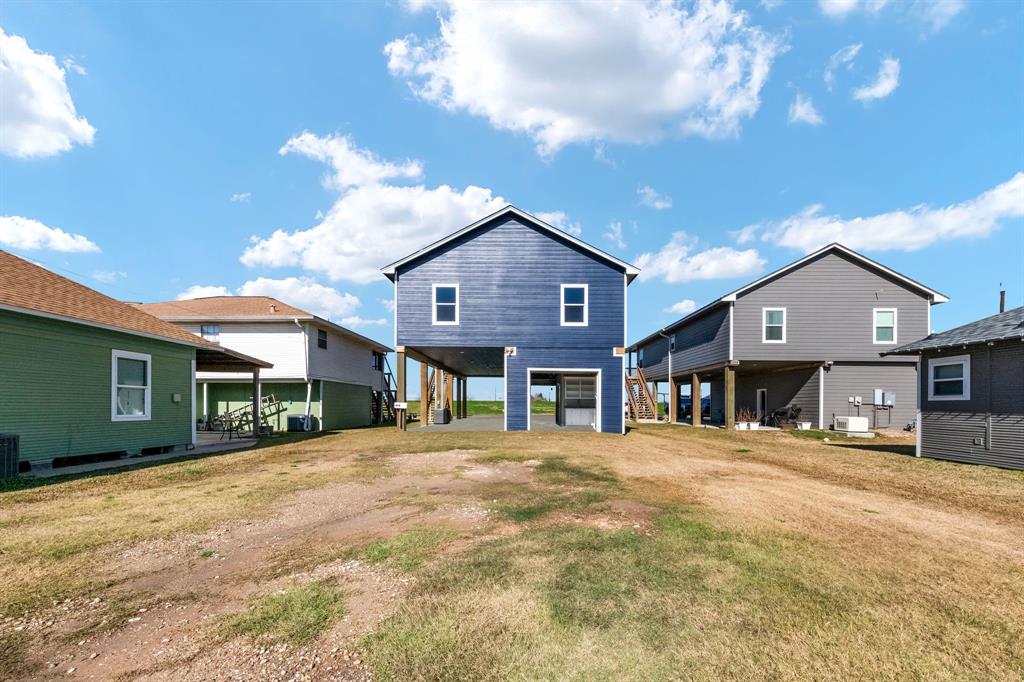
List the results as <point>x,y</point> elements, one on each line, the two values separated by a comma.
<point>951,435</point>
<point>612,391</point>
<point>509,277</point>
<point>829,303</point>
<point>62,374</point>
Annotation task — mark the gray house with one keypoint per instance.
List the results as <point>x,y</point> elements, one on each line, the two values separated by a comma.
<point>971,406</point>
<point>812,335</point>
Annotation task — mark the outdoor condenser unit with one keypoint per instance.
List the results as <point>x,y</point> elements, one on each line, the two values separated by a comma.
<point>8,455</point>
<point>852,424</point>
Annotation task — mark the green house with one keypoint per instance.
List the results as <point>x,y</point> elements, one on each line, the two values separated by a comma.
<point>86,376</point>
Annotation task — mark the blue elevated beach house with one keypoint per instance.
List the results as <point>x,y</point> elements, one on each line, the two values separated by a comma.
<point>511,296</point>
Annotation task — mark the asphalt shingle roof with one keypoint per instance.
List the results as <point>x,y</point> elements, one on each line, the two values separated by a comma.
<point>999,327</point>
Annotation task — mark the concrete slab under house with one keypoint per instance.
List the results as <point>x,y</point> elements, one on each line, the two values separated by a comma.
<point>513,297</point>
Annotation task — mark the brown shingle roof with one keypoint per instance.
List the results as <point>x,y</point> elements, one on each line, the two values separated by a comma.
<point>29,287</point>
<point>223,306</point>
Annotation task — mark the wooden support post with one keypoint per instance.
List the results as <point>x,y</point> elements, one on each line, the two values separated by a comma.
<point>448,393</point>
<point>730,397</point>
<point>673,400</point>
<point>256,421</point>
<point>654,385</point>
<point>695,406</point>
<point>465,397</point>
<point>456,414</point>
<point>424,392</point>
<point>402,396</point>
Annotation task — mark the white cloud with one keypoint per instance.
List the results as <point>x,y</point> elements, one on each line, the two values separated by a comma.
<point>888,79</point>
<point>388,303</point>
<point>71,65</point>
<point>680,261</point>
<point>650,197</point>
<point>351,166</point>
<point>614,234</point>
<point>108,276</point>
<point>241,198</point>
<point>38,117</point>
<point>684,307</point>
<point>301,292</point>
<point>203,291</point>
<point>937,13</point>
<point>770,5</point>
<point>802,111</point>
<point>576,72</point>
<point>840,9</point>
<point>843,57</point>
<point>561,220</point>
<point>25,233</point>
<point>902,230</point>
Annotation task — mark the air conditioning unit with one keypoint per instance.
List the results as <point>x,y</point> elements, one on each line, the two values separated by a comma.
<point>299,422</point>
<point>852,424</point>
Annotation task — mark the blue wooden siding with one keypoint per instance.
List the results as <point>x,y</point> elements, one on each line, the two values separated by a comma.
<point>517,382</point>
<point>510,276</point>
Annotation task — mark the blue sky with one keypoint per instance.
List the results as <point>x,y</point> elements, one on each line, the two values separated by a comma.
<point>292,149</point>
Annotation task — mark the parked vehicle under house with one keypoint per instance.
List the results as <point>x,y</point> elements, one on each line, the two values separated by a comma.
<point>322,371</point>
<point>810,335</point>
<point>971,406</point>
<point>511,296</point>
<point>85,375</point>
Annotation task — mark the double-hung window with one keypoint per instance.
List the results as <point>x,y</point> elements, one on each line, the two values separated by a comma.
<point>130,386</point>
<point>321,338</point>
<point>446,304</point>
<point>574,305</point>
<point>884,323</point>
<point>949,378</point>
<point>210,332</point>
<point>773,329</point>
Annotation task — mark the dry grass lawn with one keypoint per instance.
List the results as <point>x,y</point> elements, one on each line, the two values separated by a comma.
<point>670,553</point>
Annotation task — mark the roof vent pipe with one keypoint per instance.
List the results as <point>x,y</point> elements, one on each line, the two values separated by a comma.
<point>1002,300</point>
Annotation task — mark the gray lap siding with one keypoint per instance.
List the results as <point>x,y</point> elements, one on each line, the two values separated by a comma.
<point>796,387</point>
<point>989,427</point>
<point>701,342</point>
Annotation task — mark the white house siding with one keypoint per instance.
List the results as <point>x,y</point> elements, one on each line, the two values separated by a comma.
<point>343,360</point>
<point>280,343</point>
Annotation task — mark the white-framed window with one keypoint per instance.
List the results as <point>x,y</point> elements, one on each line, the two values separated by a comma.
<point>130,386</point>
<point>210,332</point>
<point>672,344</point>
<point>883,321</point>
<point>446,304</point>
<point>949,378</point>
<point>773,327</point>
<point>574,305</point>
<point>321,338</point>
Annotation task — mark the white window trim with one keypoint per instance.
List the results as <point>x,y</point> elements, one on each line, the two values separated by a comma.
<point>764,324</point>
<point>213,338</point>
<point>964,360</point>
<point>433,304</point>
<point>128,355</point>
<point>874,326</point>
<point>586,305</point>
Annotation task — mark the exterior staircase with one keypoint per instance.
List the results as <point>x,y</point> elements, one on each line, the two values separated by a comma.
<point>384,402</point>
<point>642,406</point>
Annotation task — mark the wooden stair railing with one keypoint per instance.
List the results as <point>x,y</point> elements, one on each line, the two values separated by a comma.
<point>642,406</point>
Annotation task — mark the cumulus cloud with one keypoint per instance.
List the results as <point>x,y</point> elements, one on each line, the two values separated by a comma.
<point>37,116</point>
<point>350,166</point>
<point>651,198</point>
<point>108,276</point>
<point>614,234</point>
<point>561,220</point>
<point>31,235</point>
<point>301,292</point>
<point>802,111</point>
<point>74,67</point>
<point>578,72</point>
<point>241,198</point>
<point>203,291</point>
<point>838,9</point>
<point>887,80</point>
<point>680,260</point>
<point>934,14</point>
<point>684,307</point>
<point>901,230</point>
<point>842,57</point>
<point>937,13</point>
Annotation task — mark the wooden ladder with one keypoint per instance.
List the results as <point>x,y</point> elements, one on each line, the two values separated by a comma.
<point>641,403</point>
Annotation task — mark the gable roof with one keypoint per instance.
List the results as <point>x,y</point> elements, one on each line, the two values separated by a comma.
<point>631,270</point>
<point>836,247</point>
<point>245,309</point>
<point>934,296</point>
<point>1005,326</point>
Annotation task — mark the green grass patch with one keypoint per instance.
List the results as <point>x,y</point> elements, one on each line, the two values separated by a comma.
<point>297,615</point>
<point>184,473</point>
<point>811,434</point>
<point>557,470</point>
<point>407,551</point>
<point>744,450</point>
<point>14,655</point>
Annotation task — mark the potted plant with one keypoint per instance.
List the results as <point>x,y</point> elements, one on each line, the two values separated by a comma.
<point>746,419</point>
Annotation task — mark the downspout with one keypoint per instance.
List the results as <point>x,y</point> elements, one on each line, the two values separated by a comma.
<point>671,383</point>
<point>309,382</point>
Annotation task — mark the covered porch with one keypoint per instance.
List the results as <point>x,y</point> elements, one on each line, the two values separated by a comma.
<point>222,359</point>
<point>443,380</point>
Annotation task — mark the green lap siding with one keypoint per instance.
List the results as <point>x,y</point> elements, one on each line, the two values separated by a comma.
<point>55,379</point>
<point>346,405</point>
<point>224,397</point>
